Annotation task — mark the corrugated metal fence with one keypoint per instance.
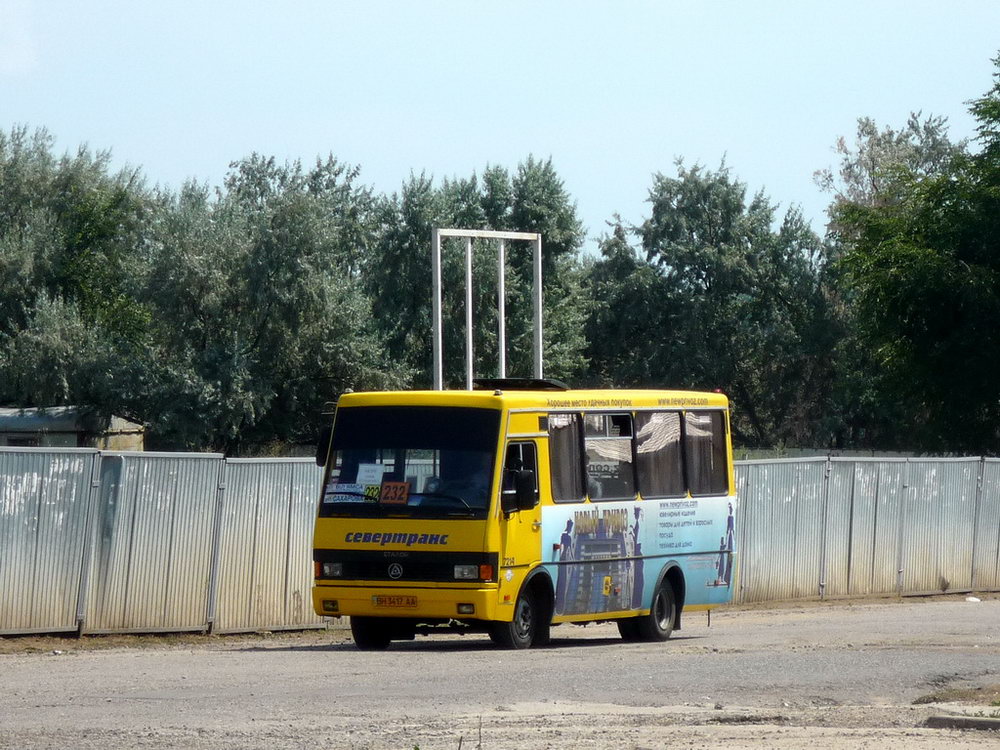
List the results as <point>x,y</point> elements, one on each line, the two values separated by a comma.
<point>840,527</point>
<point>102,542</point>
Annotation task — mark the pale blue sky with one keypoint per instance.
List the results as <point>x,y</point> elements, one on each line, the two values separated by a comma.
<point>613,92</point>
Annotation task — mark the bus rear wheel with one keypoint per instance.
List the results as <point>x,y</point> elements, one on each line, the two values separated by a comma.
<point>659,623</point>
<point>519,632</point>
<point>370,633</point>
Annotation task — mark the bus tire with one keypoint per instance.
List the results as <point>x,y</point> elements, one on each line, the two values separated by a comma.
<point>628,628</point>
<point>370,633</point>
<point>521,631</point>
<point>659,623</point>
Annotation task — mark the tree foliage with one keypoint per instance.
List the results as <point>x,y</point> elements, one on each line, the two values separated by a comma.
<point>875,169</point>
<point>224,318</point>
<point>925,274</point>
<point>720,299</point>
<point>258,304</point>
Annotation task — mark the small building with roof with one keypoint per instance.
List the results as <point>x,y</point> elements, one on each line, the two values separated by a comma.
<point>68,427</point>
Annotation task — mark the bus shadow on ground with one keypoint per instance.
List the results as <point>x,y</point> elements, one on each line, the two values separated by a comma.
<point>469,643</point>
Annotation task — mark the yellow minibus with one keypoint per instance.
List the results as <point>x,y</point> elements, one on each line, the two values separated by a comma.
<point>523,504</point>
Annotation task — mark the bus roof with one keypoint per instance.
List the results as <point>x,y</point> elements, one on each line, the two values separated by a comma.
<point>572,399</point>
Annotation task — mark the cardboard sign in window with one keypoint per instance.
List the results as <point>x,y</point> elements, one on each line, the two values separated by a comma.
<point>395,493</point>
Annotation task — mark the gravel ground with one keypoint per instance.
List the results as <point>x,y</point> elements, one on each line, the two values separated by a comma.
<point>830,675</point>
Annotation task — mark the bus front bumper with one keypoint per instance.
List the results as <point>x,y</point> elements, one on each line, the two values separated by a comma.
<point>410,602</point>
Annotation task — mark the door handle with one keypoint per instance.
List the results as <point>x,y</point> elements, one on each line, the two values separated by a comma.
<point>536,525</point>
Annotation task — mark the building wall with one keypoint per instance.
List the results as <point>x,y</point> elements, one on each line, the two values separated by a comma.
<point>120,441</point>
<point>112,441</point>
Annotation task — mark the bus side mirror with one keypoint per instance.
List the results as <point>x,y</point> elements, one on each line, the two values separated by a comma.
<point>524,489</point>
<point>522,496</point>
<point>323,445</point>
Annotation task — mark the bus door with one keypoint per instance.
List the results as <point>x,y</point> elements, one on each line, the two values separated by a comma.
<point>520,518</point>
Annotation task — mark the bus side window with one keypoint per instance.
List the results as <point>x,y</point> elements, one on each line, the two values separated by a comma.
<point>658,453</point>
<point>608,458</point>
<point>705,452</point>
<point>565,457</point>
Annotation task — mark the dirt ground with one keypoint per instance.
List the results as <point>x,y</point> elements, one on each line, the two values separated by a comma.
<point>826,675</point>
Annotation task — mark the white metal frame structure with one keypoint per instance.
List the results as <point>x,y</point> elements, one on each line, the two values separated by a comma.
<point>437,234</point>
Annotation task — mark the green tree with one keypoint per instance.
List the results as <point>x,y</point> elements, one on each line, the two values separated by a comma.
<point>923,268</point>
<point>72,234</point>
<point>876,168</point>
<point>874,171</point>
<point>720,300</point>
<point>259,309</point>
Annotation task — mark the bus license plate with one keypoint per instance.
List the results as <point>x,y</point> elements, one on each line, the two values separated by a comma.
<point>394,601</point>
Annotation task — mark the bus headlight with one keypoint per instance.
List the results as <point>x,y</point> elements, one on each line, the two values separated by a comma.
<point>466,572</point>
<point>332,570</point>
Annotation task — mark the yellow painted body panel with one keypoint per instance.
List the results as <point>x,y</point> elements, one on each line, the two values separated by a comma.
<point>463,535</point>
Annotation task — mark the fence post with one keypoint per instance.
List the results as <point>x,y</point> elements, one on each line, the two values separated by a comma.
<point>827,469</point>
<point>976,520</point>
<point>903,507</point>
<point>742,543</point>
<point>216,551</point>
<point>93,498</point>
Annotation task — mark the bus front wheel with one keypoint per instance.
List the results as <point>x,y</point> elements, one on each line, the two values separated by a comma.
<point>659,623</point>
<point>520,632</point>
<point>370,633</point>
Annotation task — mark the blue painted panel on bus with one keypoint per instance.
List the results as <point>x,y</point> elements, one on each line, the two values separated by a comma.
<point>606,557</point>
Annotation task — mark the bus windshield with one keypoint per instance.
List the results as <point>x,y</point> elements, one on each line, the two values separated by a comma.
<point>417,461</point>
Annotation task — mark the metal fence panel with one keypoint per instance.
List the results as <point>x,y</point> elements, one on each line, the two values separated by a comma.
<point>44,499</point>
<point>862,534</point>
<point>265,555</point>
<point>152,543</point>
<point>742,476</point>
<point>890,490</point>
<point>837,557</point>
<point>782,514</point>
<point>986,560</point>
<point>861,531</point>
<point>938,530</point>
<point>307,479</point>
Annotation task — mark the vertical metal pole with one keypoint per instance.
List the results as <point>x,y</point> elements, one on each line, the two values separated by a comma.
<point>904,506</point>
<point>468,314</point>
<point>825,527</point>
<point>89,542</point>
<point>876,507</point>
<point>502,312</point>
<point>212,605</point>
<point>538,306</point>
<point>976,520</point>
<point>436,308</point>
